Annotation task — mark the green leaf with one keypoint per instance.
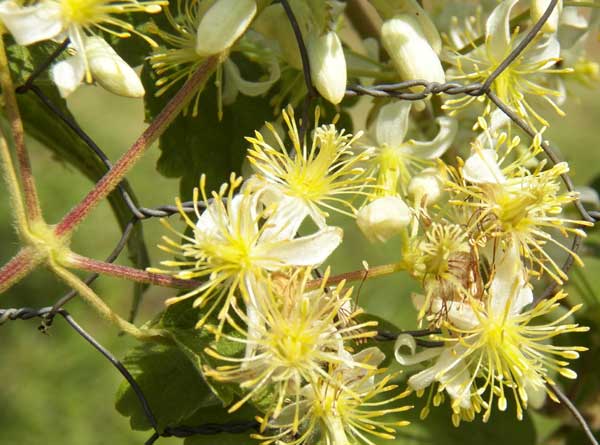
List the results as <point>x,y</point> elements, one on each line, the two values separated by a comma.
<point>192,145</point>
<point>173,387</point>
<point>180,319</point>
<point>65,145</point>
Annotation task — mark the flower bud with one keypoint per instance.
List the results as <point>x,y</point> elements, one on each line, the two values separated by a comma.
<point>328,66</point>
<point>427,184</point>
<point>538,7</point>
<point>223,24</point>
<point>110,70</point>
<point>411,53</point>
<point>383,218</point>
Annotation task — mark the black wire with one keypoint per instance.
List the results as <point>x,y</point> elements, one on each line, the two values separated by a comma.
<point>176,431</point>
<point>43,67</point>
<point>574,411</point>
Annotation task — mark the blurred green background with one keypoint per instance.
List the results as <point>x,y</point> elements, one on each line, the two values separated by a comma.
<point>55,389</point>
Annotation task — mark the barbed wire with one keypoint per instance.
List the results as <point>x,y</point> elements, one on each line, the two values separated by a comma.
<point>398,91</point>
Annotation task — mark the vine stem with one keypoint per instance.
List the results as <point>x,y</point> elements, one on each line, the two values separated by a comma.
<point>12,184</point>
<point>18,267</point>
<point>32,203</point>
<point>359,275</point>
<point>127,273</point>
<point>113,177</point>
<point>103,309</point>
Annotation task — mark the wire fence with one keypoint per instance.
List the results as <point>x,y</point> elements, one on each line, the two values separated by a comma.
<point>397,91</point>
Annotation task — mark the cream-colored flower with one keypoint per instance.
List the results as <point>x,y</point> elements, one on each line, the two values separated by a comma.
<point>235,242</point>
<point>310,180</point>
<point>512,203</point>
<point>526,80</point>
<point>352,410</point>
<point>77,20</point>
<point>394,159</point>
<point>495,345</point>
<point>292,335</point>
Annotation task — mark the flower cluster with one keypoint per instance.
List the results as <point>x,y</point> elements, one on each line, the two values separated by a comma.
<point>482,216</point>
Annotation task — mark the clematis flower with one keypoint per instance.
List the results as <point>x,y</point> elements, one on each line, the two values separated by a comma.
<point>512,203</point>
<point>294,336</point>
<point>349,411</point>
<point>526,79</point>
<point>235,242</point>
<point>310,181</point>
<point>77,20</point>
<point>494,345</point>
<point>395,160</point>
<point>196,34</point>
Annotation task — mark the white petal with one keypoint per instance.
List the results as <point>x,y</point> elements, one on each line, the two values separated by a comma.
<point>31,24</point>
<point>110,70</point>
<point>284,222</point>
<point>406,340</point>
<point>459,314</point>
<point>309,250</point>
<point>68,74</point>
<point>497,31</point>
<point>223,24</point>
<point>437,146</point>
<point>234,81</point>
<point>392,123</point>
<point>482,168</point>
<point>508,284</point>
<point>538,8</point>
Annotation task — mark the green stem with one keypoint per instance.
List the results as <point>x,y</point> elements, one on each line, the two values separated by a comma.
<point>14,191</point>
<point>111,179</point>
<point>18,267</point>
<point>104,310</point>
<point>79,262</point>
<point>32,203</point>
<point>360,275</point>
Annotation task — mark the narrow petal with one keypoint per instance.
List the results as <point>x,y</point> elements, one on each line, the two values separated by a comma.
<point>497,31</point>
<point>234,81</point>
<point>437,146</point>
<point>31,24</point>
<point>309,250</point>
<point>482,168</point>
<point>392,123</point>
<point>68,74</point>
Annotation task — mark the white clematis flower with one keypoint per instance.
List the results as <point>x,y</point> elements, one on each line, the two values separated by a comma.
<point>395,159</point>
<point>235,243</point>
<point>76,20</point>
<point>493,345</point>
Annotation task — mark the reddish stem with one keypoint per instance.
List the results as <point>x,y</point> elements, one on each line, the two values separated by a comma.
<point>128,273</point>
<point>111,179</point>
<point>356,275</point>
<point>17,268</point>
<point>32,203</point>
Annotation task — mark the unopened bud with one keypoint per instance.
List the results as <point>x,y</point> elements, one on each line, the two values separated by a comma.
<point>110,70</point>
<point>538,8</point>
<point>410,51</point>
<point>425,185</point>
<point>383,218</point>
<point>328,66</point>
<point>223,24</point>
